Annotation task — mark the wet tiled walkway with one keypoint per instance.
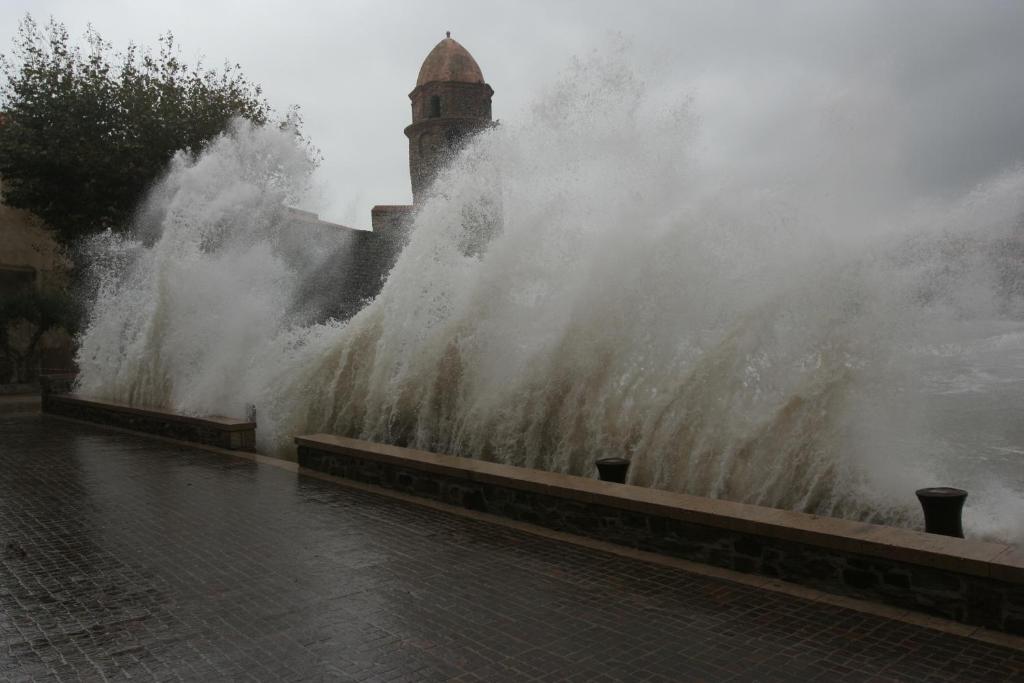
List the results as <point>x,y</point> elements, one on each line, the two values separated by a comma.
<point>125,557</point>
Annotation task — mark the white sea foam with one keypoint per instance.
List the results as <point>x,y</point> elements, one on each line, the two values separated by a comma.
<point>724,335</point>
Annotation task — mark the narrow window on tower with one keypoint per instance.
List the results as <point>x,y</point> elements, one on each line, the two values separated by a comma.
<point>435,106</point>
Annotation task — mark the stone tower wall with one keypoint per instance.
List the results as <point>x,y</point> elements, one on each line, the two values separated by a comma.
<point>458,100</point>
<point>445,115</point>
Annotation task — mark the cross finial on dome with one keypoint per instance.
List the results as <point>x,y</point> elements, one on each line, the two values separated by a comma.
<point>447,34</point>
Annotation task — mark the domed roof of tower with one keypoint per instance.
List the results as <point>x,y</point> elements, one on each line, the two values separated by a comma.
<point>449,61</point>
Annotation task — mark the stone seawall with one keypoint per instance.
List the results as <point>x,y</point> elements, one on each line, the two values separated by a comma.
<point>968,581</point>
<point>214,430</point>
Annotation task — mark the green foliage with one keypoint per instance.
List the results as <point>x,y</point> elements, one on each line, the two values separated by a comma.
<point>85,133</point>
<point>26,314</point>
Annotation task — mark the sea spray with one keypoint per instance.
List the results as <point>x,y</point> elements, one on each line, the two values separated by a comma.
<point>728,341</point>
<point>206,276</point>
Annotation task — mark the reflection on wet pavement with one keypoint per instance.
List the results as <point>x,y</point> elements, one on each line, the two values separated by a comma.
<point>122,556</point>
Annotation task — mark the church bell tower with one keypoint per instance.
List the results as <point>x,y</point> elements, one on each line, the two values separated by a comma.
<point>450,103</point>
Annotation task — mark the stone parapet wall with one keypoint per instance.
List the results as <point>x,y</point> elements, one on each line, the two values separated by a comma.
<point>967,581</point>
<point>391,223</point>
<point>223,432</point>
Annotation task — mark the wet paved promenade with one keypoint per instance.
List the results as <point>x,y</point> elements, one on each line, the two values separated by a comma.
<point>130,558</point>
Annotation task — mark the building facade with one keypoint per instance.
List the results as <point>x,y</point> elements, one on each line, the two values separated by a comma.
<point>30,259</point>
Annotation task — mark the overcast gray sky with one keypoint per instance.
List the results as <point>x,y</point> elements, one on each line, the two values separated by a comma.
<point>934,88</point>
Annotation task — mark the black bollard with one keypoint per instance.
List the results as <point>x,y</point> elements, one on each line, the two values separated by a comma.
<point>942,506</point>
<point>612,469</point>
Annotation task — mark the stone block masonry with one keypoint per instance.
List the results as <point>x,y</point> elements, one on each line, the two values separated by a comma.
<point>968,581</point>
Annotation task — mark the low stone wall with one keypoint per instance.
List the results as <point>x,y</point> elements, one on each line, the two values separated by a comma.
<point>967,581</point>
<point>224,432</point>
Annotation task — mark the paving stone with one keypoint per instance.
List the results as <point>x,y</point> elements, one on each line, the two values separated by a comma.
<point>123,557</point>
